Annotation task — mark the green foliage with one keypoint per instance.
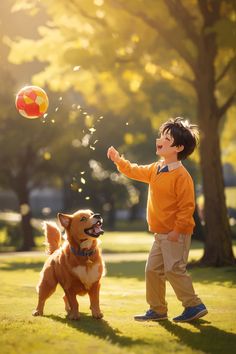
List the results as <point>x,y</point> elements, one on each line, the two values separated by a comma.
<point>11,236</point>
<point>14,236</point>
<point>125,64</point>
<point>228,138</point>
<point>126,67</point>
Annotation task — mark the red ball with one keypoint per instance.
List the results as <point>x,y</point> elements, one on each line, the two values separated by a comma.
<point>32,102</point>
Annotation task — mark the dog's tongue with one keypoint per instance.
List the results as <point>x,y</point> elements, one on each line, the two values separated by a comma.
<point>97,229</point>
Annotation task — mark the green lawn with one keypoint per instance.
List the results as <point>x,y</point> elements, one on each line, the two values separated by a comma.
<point>122,296</point>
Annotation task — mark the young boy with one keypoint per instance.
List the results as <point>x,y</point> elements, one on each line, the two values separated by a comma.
<point>170,208</point>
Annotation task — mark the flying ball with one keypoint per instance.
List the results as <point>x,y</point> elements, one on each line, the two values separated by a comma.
<point>32,102</point>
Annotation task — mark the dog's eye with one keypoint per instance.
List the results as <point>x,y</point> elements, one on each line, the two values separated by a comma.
<point>83,218</point>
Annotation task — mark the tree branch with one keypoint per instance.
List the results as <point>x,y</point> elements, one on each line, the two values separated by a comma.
<point>159,27</point>
<point>184,78</point>
<point>223,109</point>
<point>76,7</point>
<point>203,7</point>
<point>184,18</point>
<point>210,10</point>
<point>225,70</point>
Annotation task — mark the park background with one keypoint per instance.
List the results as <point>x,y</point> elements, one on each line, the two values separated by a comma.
<point>114,71</point>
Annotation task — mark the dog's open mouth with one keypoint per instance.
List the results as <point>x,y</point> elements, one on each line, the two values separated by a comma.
<point>96,230</point>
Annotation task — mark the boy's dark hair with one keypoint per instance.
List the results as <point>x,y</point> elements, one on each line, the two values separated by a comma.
<point>183,133</point>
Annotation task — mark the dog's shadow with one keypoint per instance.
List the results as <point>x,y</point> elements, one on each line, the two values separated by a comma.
<point>98,328</point>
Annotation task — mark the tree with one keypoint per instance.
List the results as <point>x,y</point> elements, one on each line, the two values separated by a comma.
<point>127,50</point>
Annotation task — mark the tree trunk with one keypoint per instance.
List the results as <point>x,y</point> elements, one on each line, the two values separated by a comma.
<point>28,240</point>
<point>23,197</point>
<point>218,246</point>
<point>198,232</point>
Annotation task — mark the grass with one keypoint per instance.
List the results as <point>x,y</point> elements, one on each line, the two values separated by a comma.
<point>122,296</point>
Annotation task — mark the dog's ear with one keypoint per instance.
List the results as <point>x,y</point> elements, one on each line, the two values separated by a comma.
<point>64,219</point>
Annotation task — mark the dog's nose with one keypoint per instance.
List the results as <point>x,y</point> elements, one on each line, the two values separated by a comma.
<point>97,216</point>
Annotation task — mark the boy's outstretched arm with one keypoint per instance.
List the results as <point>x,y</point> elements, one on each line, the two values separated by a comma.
<point>131,170</point>
<point>113,154</point>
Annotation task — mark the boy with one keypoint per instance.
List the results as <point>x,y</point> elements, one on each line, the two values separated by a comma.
<point>170,208</point>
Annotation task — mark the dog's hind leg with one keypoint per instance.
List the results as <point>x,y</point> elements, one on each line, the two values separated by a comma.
<point>67,305</point>
<point>73,314</point>
<point>44,293</point>
<point>46,288</point>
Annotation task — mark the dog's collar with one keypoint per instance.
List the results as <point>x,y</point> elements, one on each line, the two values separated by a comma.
<point>82,253</point>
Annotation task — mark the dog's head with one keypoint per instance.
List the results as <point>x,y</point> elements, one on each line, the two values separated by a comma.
<point>82,225</point>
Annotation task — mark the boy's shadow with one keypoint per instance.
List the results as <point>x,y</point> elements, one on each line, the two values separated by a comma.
<point>98,328</point>
<point>208,339</point>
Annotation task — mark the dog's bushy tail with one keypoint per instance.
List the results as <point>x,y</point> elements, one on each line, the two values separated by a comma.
<point>52,237</point>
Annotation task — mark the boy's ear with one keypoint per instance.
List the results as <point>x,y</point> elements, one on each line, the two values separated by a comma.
<point>64,219</point>
<point>179,148</point>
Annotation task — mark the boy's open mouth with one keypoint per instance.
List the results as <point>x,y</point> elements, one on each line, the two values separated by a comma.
<point>159,146</point>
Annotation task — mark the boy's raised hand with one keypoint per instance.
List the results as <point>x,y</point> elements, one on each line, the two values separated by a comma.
<point>113,154</point>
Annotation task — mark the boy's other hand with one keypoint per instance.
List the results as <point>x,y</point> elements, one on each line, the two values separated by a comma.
<point>113,154</point>
<point>173,236</point>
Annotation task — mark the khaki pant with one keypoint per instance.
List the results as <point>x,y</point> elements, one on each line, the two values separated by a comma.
<point>167,261</point>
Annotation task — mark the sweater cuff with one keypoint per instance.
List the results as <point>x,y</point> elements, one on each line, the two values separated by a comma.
<point>121,164</point>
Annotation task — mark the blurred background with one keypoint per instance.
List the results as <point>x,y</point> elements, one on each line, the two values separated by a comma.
<point>114,71</point>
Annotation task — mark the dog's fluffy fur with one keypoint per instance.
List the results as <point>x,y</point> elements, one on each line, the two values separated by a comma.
<point>77,274</point>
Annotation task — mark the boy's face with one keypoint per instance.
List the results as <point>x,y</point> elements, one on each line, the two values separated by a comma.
<point>164,146</point>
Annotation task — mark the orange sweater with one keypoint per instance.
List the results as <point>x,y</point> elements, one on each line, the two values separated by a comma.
<point>170,204</point>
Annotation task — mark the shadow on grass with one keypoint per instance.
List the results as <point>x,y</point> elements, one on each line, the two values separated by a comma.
<point>126,269</point>
<point>28,264</point>
<point>208,339</point>
<point>225,276</point>
<point>100,329</point>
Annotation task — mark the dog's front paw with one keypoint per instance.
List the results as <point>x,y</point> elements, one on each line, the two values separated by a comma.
<point>74,316</point>
<point>97,314</point>
<point>37,313</point>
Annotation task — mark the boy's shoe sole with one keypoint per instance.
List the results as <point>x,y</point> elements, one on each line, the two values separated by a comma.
<point>198,315</point>
<point>150,319</point>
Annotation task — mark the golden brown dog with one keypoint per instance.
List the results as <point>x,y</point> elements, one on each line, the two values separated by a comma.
<point>77,266</point>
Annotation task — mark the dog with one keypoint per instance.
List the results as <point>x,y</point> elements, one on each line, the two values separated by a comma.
<point>77,265</point>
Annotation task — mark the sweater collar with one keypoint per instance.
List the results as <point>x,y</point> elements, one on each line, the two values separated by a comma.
<point>168,167</point>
